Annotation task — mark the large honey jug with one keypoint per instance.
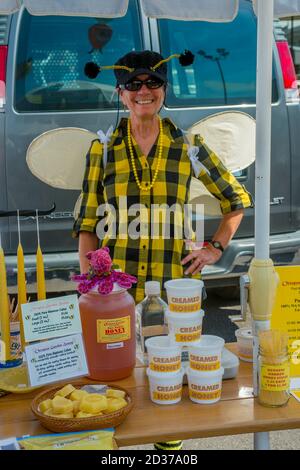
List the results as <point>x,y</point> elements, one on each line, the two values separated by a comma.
<point>108,325</point>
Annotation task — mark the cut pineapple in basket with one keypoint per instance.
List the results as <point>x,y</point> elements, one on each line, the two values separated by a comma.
<point>82,414</point>
<point>93,403</point>
<point>45,405</point>
<point>114,393</point>
<point>115,404</point>
<point>65,391</point>
<point>78,395</point>
<point>51,413</point>
<point>62,405</point>
<point>76,406</point>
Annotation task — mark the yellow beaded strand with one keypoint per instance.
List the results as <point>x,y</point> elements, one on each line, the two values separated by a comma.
<point>139,184</point>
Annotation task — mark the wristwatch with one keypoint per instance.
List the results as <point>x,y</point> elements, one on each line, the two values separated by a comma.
<point>217,245</point>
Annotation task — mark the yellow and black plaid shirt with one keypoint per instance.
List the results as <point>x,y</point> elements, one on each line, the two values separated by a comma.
<point>150,258</point>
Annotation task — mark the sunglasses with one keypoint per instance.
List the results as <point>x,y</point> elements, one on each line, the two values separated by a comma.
<point>151,84</point>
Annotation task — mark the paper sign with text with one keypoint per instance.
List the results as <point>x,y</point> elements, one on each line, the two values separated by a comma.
<point>51,318</point>
<point>286,312</point>
<point>56,359</point>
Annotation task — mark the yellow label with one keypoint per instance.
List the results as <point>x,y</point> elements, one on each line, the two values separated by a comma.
<point>166,396</point>
<point>179,308</point>
<point>286,312</point>
<point>275,377</point>
<point>205,366</point>
<point>214,395</point>
<point>188,337</point>
<point>113,330</point>
<point>165,367</point>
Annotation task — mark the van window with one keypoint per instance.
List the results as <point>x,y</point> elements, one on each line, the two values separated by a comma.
<point>224,68</point>
<point>52,52</point>
<point>291,27</point>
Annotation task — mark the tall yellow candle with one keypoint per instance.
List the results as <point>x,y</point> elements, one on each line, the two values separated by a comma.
<point>22,298</point>
<point>4,311</point>
<point>40,275</point>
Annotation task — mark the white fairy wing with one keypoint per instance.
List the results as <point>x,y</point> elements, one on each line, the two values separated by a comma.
<point>231,136</point>
<point>57,157</point>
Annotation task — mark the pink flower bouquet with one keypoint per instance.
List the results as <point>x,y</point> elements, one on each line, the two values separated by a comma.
<point>102,274</point>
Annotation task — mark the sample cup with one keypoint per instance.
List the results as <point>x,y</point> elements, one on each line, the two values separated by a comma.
<point>205,387</point>
<point>163,356</point>
<point>244,338</point>
<point>165,389</point>
<point>205,355</point>
<point>184,295</point>
<point>186,328</point>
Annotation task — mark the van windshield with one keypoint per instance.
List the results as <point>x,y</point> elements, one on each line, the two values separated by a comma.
<point>224,69</point>
<point>52,52</point>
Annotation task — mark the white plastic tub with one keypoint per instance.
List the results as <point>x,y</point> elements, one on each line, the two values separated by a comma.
<point>186,328</point>
<point>163,356</point>
<point>184,295</point>
<point>165,389</point>
<point>205,387</point>
<point>245,344</point>
<point>205,355</point>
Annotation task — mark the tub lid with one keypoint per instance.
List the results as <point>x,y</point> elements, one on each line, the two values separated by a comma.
<point>245,333</point>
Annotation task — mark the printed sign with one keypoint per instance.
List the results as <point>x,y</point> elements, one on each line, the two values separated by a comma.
<point>286,312</point>
<point>56,359</point>
<point>51,318</point>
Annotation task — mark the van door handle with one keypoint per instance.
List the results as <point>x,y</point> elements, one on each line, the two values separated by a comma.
<point>277,201</point>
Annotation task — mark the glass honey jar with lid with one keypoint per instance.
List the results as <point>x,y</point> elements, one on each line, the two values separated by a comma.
<point>274,368</point>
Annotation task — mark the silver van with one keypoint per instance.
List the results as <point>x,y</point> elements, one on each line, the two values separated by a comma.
<point>43,87</point>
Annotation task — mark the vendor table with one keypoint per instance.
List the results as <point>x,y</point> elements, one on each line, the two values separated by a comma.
<point>237,413</point>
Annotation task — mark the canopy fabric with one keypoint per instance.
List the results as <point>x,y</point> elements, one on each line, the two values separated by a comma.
<point>89,8</point>
<point>201,10</point>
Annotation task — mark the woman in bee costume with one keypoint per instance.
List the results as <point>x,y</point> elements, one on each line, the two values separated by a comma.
<point>149,161</point>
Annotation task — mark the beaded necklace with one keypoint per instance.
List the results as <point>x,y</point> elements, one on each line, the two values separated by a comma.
<point>139,184</point>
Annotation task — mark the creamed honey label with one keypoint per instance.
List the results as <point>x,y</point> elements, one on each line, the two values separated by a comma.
<point>188,335</point>
<point>205,392</point>
<point>167,393</point>
<point>113,330</point>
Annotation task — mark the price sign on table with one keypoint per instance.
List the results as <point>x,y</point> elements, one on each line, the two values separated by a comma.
<point>286,312</point>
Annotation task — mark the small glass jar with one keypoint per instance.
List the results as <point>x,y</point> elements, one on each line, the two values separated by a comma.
<point>274,378</point>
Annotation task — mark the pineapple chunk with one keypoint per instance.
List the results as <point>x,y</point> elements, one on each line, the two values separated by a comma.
<point>76,404</point>
<point>93,403</point>
<point>50,412</point>
<point>78,395</point>
<point>82,414</point>
<point>114,393</point>
<point>65,391</point>
<point>62,405</point>
<point>115,404</point>
<point>45,405</point>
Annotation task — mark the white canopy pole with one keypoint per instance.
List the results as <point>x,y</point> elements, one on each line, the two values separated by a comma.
<point>263,127</point>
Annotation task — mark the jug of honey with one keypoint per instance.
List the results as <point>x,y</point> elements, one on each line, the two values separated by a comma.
<point>108,326</point>
<point>107,314</point>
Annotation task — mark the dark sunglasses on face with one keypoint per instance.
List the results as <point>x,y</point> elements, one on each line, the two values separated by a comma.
<point>151,84</point>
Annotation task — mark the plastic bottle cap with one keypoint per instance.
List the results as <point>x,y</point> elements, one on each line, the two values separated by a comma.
<point>152,288</point>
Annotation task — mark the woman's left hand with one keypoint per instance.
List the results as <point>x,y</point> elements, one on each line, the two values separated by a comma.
<point>200,258</point>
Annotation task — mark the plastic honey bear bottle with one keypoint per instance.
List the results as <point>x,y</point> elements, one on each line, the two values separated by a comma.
<point>150,318</point>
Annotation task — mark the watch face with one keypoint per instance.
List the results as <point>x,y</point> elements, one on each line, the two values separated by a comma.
<point>217,245</point>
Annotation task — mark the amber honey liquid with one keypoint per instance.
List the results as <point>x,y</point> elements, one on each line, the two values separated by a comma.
<point>108,325</point>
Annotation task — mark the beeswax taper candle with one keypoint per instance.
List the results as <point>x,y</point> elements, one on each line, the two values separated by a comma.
<point>4,310</point>
<point>22,298</point>
<point>40,272</point>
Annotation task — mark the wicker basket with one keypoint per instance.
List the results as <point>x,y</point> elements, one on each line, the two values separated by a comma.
<point>80,424</point>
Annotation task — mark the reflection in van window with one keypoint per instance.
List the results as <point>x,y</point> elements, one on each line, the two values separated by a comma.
<point>52,52</point>
<point>224,69</point>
